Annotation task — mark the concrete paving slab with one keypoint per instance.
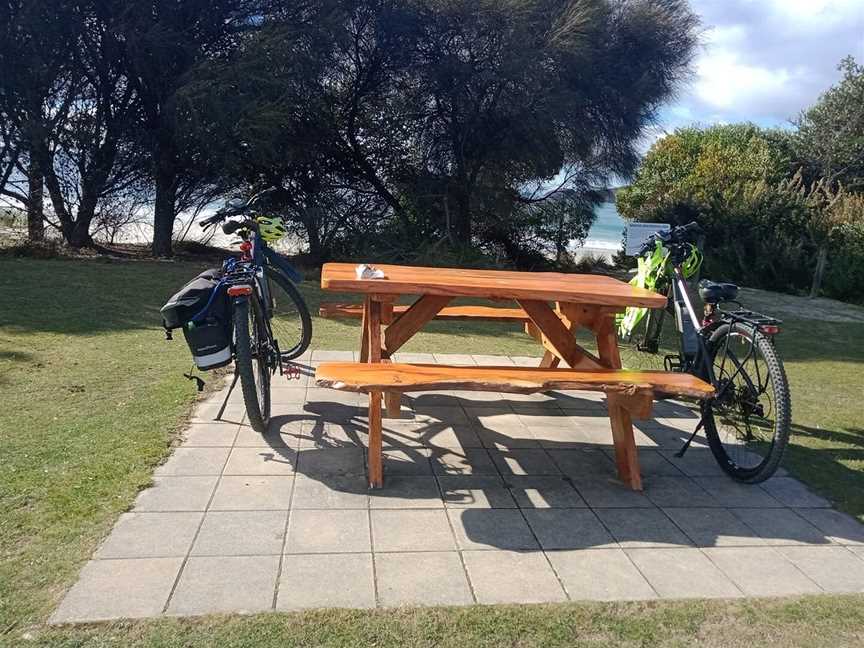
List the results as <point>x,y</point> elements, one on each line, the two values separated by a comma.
<point>326,581</point>
<point>326,531</point>
<point>317,462</point>
<point>512,577</point>
<point>761,571</point>
<point>781,526</point>
<point>682,573</point>
<point>834,569</point>
<point>791,492</point>
<point>733,494</point>
<point>169,493</point>
<point>604,492</point>
<point>261,461</point>
<point>676,490</point>
<point>405,493</point>
<point>491,529</point>
<point>425,578</point>
<point>713,527</point>
<point>600,575</point>
<point>642,528</point>
<point>524,462</point>
<point>236,584</point>
<point>119,589</point>
<point>210,435</point>
<point>468,461</point>
<point>544,492</point>
<point>470,491</point>
<point>194,461</point>
<point>568,529</point>
<point>836,526</point>
<point>250,493</point>
<point>240,533</point>
<point>413,530</point>
<point>151,535</point>
<point>334,492</point>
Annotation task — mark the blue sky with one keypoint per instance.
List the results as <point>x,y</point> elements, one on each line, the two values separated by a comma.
<point>764,60</point>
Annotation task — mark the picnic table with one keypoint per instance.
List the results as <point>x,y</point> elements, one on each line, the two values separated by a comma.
<point>551,308</point>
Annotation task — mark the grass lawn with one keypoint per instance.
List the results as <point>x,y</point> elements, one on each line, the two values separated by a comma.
<point>91,396</point>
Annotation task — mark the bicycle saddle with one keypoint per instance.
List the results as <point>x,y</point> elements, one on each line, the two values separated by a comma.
<point>714,293</point>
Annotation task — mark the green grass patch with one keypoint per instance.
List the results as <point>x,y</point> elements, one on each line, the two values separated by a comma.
<point>92,396</point>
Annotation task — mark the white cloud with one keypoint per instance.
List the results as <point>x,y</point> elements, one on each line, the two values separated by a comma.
<point>766,60</point>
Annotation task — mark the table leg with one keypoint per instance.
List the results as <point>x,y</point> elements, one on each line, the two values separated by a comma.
<point>626,457</point>
<point>392,400</point>
<point>372,317</point>
<point>375,458</point>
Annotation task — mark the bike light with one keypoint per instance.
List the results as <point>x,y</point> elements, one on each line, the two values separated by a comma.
<point>245,246</point>
<point>769,329</point>
<point>242,289</point>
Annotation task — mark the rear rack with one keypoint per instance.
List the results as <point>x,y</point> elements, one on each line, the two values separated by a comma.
<point>751,317</point>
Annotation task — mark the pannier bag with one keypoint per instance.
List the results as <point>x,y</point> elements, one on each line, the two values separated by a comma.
<point>200,308</point>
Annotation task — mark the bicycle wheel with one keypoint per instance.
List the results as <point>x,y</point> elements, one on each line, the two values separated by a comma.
<point>252,350</point>
<point>747,424</point>
<point>290,323</point>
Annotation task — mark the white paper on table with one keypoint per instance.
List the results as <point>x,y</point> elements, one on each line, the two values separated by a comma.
<point>365,271</point>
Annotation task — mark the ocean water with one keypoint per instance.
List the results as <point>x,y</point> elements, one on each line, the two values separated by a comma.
<point>607,231</point>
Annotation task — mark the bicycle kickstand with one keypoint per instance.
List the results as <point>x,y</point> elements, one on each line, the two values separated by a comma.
<point>687,443</point>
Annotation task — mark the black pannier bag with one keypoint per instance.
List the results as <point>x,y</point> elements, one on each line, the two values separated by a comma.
<point>200,308</point>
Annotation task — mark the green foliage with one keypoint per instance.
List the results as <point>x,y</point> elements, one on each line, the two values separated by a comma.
<point>844,278</point>
<point>729,179</point>
<point>831,132</point>
<point>443,114</point>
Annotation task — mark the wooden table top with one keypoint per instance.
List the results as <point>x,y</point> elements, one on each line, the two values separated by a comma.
<point>490,284</point>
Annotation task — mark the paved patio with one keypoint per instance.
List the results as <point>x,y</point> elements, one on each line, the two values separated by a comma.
<point>489,498</point>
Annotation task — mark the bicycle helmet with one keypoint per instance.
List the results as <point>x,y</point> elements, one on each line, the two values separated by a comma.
<point>271,228</point>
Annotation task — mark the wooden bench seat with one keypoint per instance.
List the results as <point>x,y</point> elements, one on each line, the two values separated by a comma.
<point>633,391</point>
<point>490,313</point>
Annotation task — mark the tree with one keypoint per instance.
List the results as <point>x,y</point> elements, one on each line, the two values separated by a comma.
<point>91,158</point>
<point>831,132</point>
<point>36,90</point>
<point>165,40</point>
<point>728,178</point>
<point>447,111</point>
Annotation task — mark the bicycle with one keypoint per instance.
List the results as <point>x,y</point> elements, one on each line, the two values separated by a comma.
<point>747,422</point>
<point>270,320</point>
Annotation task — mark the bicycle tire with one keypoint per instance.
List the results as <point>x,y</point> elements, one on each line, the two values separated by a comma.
<point>296,300</point>
<point>781,404</point>
<point>257,409</point>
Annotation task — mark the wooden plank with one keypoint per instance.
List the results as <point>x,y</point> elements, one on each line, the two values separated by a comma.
<point>490,284</point>
<point>412,320</point>
<point>353,376</point>
<point>457,313</point>
<point>375,459</point>
<point>556,337</point>
<point>374,327</point>
<point>364,332</point>
<point>626,457</point>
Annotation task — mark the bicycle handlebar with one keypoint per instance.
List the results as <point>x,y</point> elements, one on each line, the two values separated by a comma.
<point>674,237</point>
<point>228,210</point>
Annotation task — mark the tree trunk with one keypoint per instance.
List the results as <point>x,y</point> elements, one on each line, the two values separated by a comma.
<point>821,262</point>
<point>463,215</point>
<point>35,202</point>
<point>166,201</point>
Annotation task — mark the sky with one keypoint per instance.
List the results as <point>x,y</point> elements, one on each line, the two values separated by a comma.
<point>764,60</point>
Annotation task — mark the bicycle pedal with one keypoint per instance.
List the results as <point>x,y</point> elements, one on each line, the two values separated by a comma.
<point>672,363</point>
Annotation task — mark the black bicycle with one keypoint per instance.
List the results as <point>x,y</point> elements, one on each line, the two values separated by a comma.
<point>270,320</point>
<point>747,422</point>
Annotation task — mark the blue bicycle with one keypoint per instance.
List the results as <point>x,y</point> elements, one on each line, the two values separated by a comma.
<point>269,319</point>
